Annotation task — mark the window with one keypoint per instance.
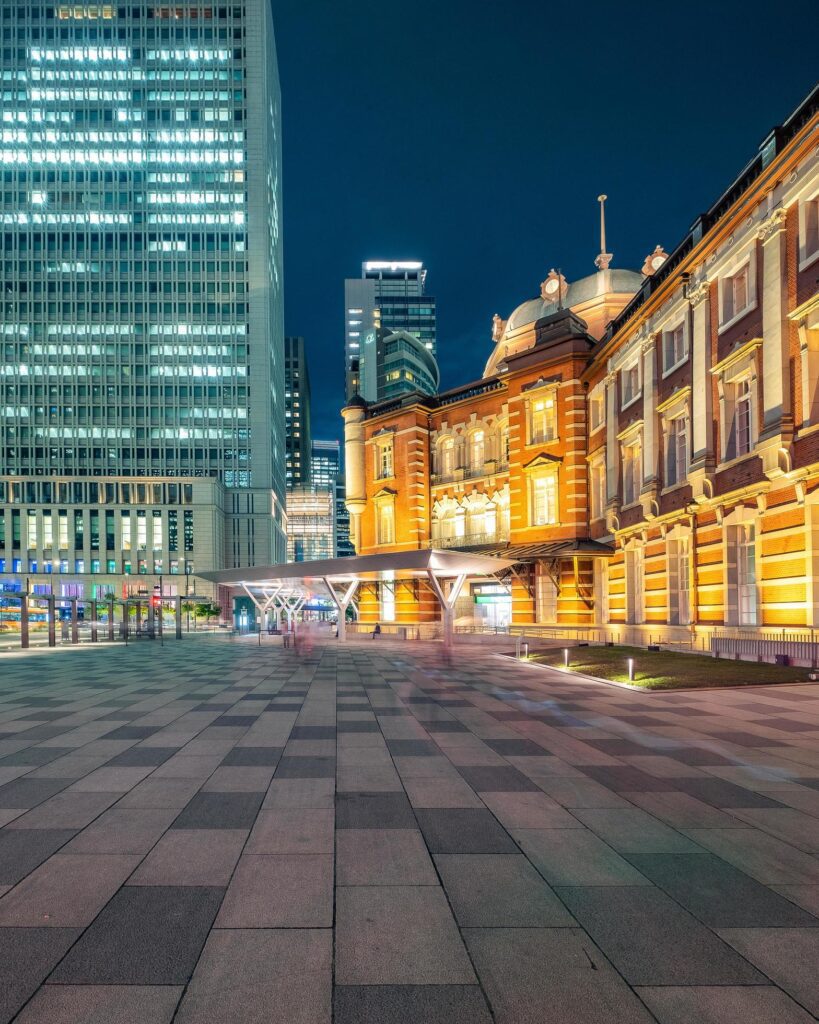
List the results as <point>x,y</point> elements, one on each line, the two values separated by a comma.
<point>546,596</point>
<point>601,591</point>
<point>630,383</point>
<point>544,499</point>
<point>477,451</point>
<point>742,418</point>
<point>384,460</point>
<point>447,460</point>
<point>385,523</point>
<point>737,294</point>
<point>676,452</point>
<point>679,581</point>
<point>741,571</point>
<point>597,407</point>
<point>675,348</point>
<point>632,470</point>
<point>387,595</point>
<point>542,419</point>
<point>808,231</point>
<point>597,488</point>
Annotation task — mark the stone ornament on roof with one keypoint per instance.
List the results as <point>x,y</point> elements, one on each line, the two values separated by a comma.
<point>555,287</point>
<point>654,261</point>
<point>498,328</point>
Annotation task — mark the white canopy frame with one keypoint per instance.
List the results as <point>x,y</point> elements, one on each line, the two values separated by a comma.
<point>288,586</point>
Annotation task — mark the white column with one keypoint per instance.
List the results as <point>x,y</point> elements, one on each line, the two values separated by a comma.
<point>612,447</point>
<point>702,417</point>
<point>447,602</point>
<point>341,603</point>
<point>649,415</point>
<point>775,341</point>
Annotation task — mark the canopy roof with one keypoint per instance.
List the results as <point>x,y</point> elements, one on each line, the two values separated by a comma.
<point>311,575</point>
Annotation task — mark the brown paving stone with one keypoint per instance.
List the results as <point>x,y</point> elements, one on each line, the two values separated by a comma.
<point>196,857</point>
<point>282,891</point>
<point>382,857</point>
<point>102,1004</point>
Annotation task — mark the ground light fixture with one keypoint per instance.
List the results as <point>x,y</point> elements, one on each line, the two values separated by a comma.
<point>630,669</point>
<point>565,657</point>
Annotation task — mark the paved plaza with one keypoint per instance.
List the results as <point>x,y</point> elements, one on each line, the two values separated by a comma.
<point>215,832</point>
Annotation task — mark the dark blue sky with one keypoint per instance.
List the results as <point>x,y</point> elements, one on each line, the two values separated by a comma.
<point>476,136</point>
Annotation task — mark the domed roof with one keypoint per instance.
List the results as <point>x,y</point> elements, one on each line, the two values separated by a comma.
<point>587,288</point>
<point>356,402</point>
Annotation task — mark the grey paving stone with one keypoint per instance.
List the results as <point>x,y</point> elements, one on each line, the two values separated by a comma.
<point>490,779</point>
<point>379,856</point>
<point>34,756</point>
<point>722,1004</point>
<point>765,858</point>
<point>313,732</point>
<point>111,780</point>
<point>246,779</point>
<point>123,830</point>
<point>220,810</point>
<point>792,826</point>
<point>575,792</point>
<point>550,976</point>
<point>144,936</point>
<point>499,891</point>
<point>204,857</point>
<point>438,792</point>
<point>249,756</point>
<point>446,726</point>
<point>66,811</point>
<point>26,793</point>
<point>307,793</point>
<point>626,779</point>
<point>152,792</point>
<point>398,935</point>
<point>722,794</point>
<point>718,894</point>
<point>67,891</point>
<point>235,721</point>
<point>631,830</point>
<point>653,941</point>
<point>410,1004</point>
<point>138,757</point>
<point>374,810</point>
<point>412,748</point>
<point>132,732</point>
<point>306,768</point>
<point>27,956</point>
<point>102,1004</point>
<point>528,810</point>
<point>294,830</point>
<point>684,811</point>
<point>463,830</point>
<point>358,727</point>
<point>517,748</point>
<point>788,956</point>
<point>279,892</point>
<point>576,857</point>
<point>22,850</point>
<point>261,977</point>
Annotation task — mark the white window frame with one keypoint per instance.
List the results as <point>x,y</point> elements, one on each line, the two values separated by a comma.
<point>674,449</point>
<point>631,371</point>
<point>546,594</point>
<point>632,467</point>
<point>597,487</point>
<point>477,450</point>
<point>383,506</point>
<point>597,407</point>
<point>741,572</point>
<point>548,400</point>
<point>549,478</point>
<point>678,329</point>
<point>737,370</point>
<point>728,315</point>
<point>808,230</point>
<point>678,560</point>
<point>635,564</point>
<point>384,459</point>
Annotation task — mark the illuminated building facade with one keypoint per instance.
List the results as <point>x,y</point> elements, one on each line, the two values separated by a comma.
<point>311,523</point>
<point>141,274</point>
<point>391,296</point>
<point>646,445</point>
<point>327,473</point>
<point>298,442</point>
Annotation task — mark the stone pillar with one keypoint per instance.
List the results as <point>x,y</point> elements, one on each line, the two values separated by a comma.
<point>24,620</point>
<point>111,618</point>
<point>151,619</point>
<point>702,405</point>
<point>52,620</point>
<point>612,449</point>
<point>354,467</point>
<point>75,624</point>
<point>178,616</point>
<point>93,621</point>
<point>777,414</point>
<point>649,355</point>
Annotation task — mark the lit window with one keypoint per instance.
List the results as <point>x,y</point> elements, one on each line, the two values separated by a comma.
<point>808,231</point>
<point>742,417</point>
<point>597,407</point>
<point>542,419</point>
<point>630,383</point>
<point>597,486</point>
<point>676,465</point>
<point>544,499</point>
<point>477,451</point>
<point>632,470</point>
<point>737,295</point>
<point>384,460</point>
<point>385,523</point>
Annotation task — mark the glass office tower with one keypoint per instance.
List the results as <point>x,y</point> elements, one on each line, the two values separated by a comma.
<point>140,227</point>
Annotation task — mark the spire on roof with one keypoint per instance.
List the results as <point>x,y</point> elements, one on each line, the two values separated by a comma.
<point>604,259</point>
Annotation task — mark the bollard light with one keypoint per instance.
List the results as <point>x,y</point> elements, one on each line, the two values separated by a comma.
<point>631,670</point>
<point>565,657</point>
<point>525,644</point>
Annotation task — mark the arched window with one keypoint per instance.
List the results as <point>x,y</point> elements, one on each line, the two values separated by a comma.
<point>446,462</point>
<point>477,451</point>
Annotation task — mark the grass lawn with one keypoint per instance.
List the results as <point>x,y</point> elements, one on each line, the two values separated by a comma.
<point>667,670</point>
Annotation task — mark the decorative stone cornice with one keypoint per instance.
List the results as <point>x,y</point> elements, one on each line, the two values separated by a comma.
<point>772,224</point>
<point>699,292</point>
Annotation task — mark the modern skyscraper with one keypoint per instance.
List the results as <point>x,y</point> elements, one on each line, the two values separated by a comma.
<point>297,413</point>
<point>389,295</point>
<point>140,227</point>
<point>327,473</point>
<point>311,523</point>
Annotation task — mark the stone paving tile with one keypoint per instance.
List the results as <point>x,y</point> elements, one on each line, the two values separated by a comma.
<point>294,830</point>
<point>765,858</point>
<point>150,935</point>
<point>410,1004</point>
<point>550,976</point>
<point>203,857</point>
<point>436,792</point>
<point>306,793</point>
<point>631,830</point>
<point>380,856</point>
<point>220,810</point>
<point>463,830</point>
<point>722,1004</point>
<point>253,756</point>
<point>26,793</point>
<point>67,891</point>
<point>22,850</point>
<point>499,891</point>
<point>102,1004</point>
<point>306,768</point>
<point>123,830</point>
<point>282,891</point>
<point>653,941</point>
<point>66,811</point>
<point>398,935</point>
<point>572,857</point>
<point>374,810</point>
<point>788,956</point>
<point>261,976</point>
<point>27,956</point>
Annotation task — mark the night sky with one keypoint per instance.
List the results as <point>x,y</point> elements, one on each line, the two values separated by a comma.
<point>476,136</point>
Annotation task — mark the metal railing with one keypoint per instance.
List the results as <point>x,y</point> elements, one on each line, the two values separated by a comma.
<point>798,645</point>
<point>471,540</point>
<point>491,467</point>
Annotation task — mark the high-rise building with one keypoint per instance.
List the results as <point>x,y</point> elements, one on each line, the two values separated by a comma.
<point>297,413</point>
<point>389,295</point>
<point>328,473</point>
<point>140,226</point>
